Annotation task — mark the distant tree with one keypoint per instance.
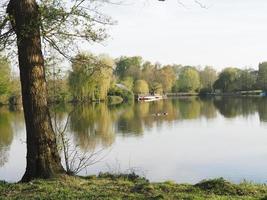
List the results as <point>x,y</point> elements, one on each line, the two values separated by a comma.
<point>189,80</point>
<point>227,80</point>
<point>141,87</point>
<point>156,88</point>
<point>129,66</point>
<point>90,77</point>
<point>247,80</point>
<point>262,76</point>
<point>166,77</point>
<point>148,72</point>
<point>5,76</point>
<point>128,82</point>
<point>207,78</point>
<point>177,69</point>
<point>57,83</point>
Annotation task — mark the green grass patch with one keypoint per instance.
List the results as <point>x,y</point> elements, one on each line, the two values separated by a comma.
<point>129,186</point>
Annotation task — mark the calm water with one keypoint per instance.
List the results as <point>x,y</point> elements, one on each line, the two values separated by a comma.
<point>198,139</point>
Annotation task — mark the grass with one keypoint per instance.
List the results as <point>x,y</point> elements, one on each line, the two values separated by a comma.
<point>129,186</point>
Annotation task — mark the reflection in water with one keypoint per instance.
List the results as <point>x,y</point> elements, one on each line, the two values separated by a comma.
<point>98,125</point>
<point>9,122</point>
<point>262,109</point>
<point>231,107</point>
<point>234,106</point>
<point>92,125</point>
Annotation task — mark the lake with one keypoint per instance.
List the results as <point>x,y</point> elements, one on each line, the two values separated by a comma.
<point>196,138</point>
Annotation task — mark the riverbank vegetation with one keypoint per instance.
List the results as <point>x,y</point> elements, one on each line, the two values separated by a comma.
<point>102,78</point>
<point>129,186</point>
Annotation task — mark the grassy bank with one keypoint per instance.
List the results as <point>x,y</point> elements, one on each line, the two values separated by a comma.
<point>107,186</point>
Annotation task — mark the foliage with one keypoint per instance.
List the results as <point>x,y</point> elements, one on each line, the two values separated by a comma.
<point>141,87</point>
<point>189,80</point>
<point>262,77</point>
<point>64,26</point>
<point>90,77</point>
<point>207,78</point>
<point>166,77</point>
<point>149,71</point>
<point>5,78</point>
<point>57,85</point>
<point>247,80</point>
<point>126,95</point>
<point>227,80</point>
<point>128,81</point>
<point>129,66</point>
<point>156,88</point>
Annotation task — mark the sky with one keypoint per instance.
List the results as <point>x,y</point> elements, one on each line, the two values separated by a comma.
<point>228,33</point>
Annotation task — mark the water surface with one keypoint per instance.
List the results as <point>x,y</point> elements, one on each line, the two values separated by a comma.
<point>197,139</point>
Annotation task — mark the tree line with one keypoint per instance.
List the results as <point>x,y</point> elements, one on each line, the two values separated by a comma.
<point>100,77</point>
<point>96,77</point>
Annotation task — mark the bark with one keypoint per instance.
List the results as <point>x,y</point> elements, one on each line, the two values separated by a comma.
<point>43,160</point>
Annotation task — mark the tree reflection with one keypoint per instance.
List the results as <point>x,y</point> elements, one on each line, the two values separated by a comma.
<point>208,109</point>
<point>231,107</point>
<point>98,124</point>
<point>92,125</point>
<point>262,106</point>
<point>10,123</point>
<point>131,120</point>
<point>189,108</point>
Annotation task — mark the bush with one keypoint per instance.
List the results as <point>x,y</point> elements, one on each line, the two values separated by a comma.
<point>222,187</point>
<point>130,177</point>
<point>126,95</point>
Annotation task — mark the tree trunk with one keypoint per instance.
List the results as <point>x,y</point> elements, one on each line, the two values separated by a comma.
<point>43,160</point>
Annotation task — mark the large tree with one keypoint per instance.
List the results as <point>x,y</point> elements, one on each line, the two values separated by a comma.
<point>33,24</point>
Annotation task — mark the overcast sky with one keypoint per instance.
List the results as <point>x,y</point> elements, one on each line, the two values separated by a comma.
<point>227,33</point>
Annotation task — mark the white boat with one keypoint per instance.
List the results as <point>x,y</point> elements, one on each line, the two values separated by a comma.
<point>149,97</point>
